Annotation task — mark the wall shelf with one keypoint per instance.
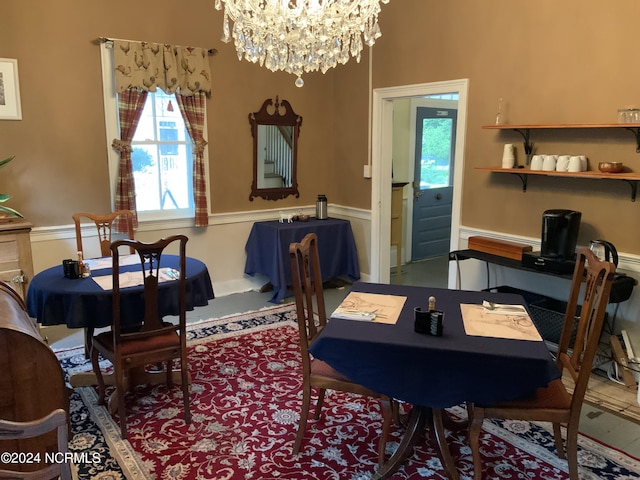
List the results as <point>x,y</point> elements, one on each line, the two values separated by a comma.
<point>523,173</point>
<point>525,130</point>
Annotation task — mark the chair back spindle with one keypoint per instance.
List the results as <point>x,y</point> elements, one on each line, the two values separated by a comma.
<point>105,227</point>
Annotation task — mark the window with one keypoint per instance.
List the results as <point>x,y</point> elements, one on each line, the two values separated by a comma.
<point>161,157</point>
<point>162,154</point>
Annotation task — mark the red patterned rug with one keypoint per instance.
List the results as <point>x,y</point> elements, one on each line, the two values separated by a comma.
<point>245,403</point>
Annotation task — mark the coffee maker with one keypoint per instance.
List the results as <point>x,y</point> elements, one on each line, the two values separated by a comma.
<point>558,247</point>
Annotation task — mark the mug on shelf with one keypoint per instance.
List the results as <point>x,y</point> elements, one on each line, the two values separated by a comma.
<point>584,163</point>
<point>536,162</point>
<point>575,164</point>
<point>549,162</point>
<point>562,165</point>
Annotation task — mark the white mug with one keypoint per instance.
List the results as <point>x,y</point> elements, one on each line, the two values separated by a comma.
<point>575,164</point>
<point>584,166</point>
<point>549,162</point>
<point>536,162</point>
<point>562,165</point>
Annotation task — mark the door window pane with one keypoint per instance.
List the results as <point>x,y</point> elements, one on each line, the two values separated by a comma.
<point>436,153</point>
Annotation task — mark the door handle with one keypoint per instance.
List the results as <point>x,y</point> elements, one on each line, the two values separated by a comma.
<point>438,196</point>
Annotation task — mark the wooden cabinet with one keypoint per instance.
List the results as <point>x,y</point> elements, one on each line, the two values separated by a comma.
<point>16,264</point>
<point>397,194</point>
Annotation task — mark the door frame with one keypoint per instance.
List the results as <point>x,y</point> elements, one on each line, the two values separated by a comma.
<point>381,167</point>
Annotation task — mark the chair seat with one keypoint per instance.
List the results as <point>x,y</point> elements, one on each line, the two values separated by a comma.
<point>322,369</point>
<point>136,346</point>
<point>552,397</point>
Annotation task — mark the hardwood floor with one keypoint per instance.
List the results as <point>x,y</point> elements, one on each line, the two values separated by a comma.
<point>611,397</point>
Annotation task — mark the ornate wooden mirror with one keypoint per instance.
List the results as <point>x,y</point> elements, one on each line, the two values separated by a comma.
<point>275,129</point>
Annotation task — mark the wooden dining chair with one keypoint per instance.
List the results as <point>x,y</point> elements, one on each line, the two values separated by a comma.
<point>555,403</point>
<point>311,313</point>
<point>104,225</point>
<point>151,340</point>
<point>56,421</point>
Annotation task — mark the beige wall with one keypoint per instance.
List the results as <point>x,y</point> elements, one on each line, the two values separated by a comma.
<point>60,144</point>
<point>570,61</point>
<point>551,62</point>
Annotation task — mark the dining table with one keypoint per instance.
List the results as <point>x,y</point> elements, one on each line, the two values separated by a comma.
<point>431,373</point>
<point>53,299</point>
<point>267,250</point>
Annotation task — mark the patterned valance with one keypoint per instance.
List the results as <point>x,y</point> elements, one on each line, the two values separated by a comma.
<point>147,66</point>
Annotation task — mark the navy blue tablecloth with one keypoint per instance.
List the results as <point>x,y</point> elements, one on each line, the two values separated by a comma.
<point>434,371</point>
<point>268,250</point>
<point>79,303</point>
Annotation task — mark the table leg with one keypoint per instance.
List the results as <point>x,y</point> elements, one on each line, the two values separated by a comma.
<point>415,426</point>
<point>436,425</point>
<point>88,335</point>
<point>418,417</point>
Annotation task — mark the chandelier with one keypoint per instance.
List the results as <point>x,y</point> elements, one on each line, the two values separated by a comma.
<point>298,36</point>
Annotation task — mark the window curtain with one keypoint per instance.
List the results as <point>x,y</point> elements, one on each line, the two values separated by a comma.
<point>130,106</point>
<point>192,109</point>
<point>144,67</point>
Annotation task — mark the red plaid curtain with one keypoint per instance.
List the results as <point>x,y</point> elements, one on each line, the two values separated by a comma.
<point>192,109</point>
<point>130,105</point>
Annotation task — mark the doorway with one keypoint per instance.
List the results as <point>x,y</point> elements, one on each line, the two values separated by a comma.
<point>433,158</point>
<point>381,160</point>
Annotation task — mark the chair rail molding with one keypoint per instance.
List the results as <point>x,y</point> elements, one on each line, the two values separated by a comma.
<point>225,233</point>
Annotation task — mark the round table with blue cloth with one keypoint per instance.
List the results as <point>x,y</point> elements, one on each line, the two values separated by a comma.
<point>53,299</point>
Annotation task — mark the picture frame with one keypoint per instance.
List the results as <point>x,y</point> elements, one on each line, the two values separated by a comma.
<point>10,108</point>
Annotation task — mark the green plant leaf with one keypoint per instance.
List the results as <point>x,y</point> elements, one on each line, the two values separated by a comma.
<point>7,160</point>
<point>10,210</point>
<point>3,196</point>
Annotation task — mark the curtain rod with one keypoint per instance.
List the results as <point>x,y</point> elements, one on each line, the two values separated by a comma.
<point>211,51</point>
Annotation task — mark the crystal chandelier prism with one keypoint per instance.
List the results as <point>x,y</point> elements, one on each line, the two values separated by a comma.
<point>298,36</point>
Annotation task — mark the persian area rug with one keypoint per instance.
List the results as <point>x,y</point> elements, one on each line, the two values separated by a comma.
<point>245,405</point>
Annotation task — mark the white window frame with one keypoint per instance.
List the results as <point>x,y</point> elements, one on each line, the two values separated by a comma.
<point>112,131</point>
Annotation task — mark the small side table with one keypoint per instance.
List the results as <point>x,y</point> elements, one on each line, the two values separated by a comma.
<point>16,262</point>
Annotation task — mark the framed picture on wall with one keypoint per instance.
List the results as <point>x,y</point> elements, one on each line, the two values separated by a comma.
<point>9,90</point>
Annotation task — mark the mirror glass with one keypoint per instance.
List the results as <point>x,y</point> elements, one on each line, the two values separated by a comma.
<point>275,129</point>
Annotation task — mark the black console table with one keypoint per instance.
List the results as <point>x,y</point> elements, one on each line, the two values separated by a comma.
<point>547,313</point>
<point>498,260</point>
<point>616,289</point>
